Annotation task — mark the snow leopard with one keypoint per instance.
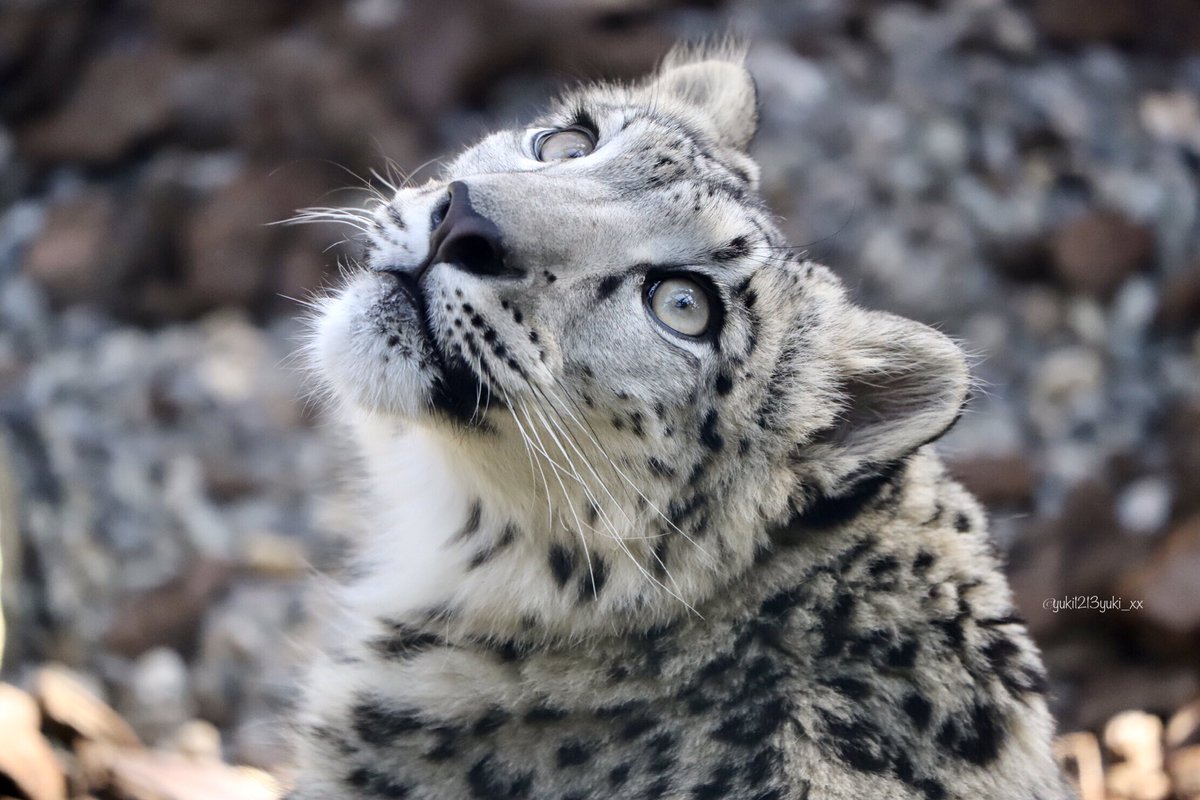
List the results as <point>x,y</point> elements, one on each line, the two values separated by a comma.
<point>651,505</point>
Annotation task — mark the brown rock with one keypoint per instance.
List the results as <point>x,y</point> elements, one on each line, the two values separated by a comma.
<point>1179,303</point>
<point>1077,21</point>
<point>41,48</point>
<point>1182,433</point>
<point>1156,25</point>
<point>218,21</point>
<point>227,243</point>
<point>1105,693</point>
<point>1135,737</point>
<point>1183,766</point>
<point>121,100</point>
<point>169,615</point>
<point>151,775</point>
<point>26,758</point>
<point>1006,481</point>
<point>1098,554</point>
<point>1183,729</point>
<point>1167,581</point>
<point>68,257</point>
<point>1096,252</point>
<point>68,703</point>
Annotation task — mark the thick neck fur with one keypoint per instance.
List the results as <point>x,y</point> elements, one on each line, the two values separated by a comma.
<point>461,545</point>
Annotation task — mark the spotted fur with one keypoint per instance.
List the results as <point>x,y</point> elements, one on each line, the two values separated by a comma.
<point>606,560</point>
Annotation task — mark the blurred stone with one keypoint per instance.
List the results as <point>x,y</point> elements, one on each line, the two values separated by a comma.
<point>1066,388</point>
<point>1144,506</point>
<point>1076,21</point>
<point>148,775</point>
<point>218,21</point>
<point>156,699</point>
<point>1157,25</point>
<point>68,257</point>
<point>1005,481</point>
<point>1167,582</point>
<point>41,50</point>
<point>1127,782</point>
<point>1179,301</point>
<point>68,703</point>
<point>274,555</point>
<point>26,759</point>
<point>1119,687</point>
<point>1183,766</point>
<point>121,101</point>
<point>1096,252</point>
<point>1137,739</point>
<point>1183,728</point>
<point>1181,432</point>
<point>1173,117</point>
<point>170,614</point>
<point>198,739</point>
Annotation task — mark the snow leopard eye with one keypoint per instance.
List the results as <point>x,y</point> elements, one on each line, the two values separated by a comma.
<point>564,143</point>
<point>681,304</point>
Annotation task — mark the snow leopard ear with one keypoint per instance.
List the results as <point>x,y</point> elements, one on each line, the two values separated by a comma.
<point>718,86</point>
<point>902,385</point>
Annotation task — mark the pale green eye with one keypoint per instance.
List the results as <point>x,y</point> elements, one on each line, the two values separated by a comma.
<point>563,144</point>
<point>680,304</point>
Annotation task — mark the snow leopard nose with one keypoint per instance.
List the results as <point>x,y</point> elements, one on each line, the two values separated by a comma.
<point>465,238</point>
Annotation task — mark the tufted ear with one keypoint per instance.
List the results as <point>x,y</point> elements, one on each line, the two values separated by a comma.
<point>902,385</point>
<point>720,90</point>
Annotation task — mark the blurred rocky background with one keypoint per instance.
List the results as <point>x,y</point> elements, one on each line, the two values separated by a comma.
<point>1023,174</point>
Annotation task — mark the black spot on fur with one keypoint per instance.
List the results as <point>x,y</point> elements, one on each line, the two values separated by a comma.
<point>562,564</point>
<point>490,722</point>
<point>737,248</point>
<point>489,781</point>
<point>859,743</point>
<point>471,526</point>
<point>376,784</point>
<point>403,642</point>
<point>904,654</point>
<point>636,726</point>
<point>659,468</point>
<point>923,561</point>
<point>853,688</point>
<point>658,561</point>
<point>573,754</point>
<point>962,523</point>
<point>447,744</point>
<point>591,584</point>
<point>918,708</point>
<point>827,511</point>
<point>377,724</point>
<point>975,737</point>
<point>724,383</point>
<point>545,713</point>
<point>608,285</point>
<point>618,775</point>
<point>719,784</point>
<point>751,725</point>
<point>709,435</point>
<point>883,565</point>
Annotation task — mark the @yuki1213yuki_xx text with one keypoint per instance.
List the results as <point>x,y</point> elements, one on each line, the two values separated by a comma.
<point>1084,602</point>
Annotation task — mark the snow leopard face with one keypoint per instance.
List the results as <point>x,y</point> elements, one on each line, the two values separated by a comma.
<point>597,313</point>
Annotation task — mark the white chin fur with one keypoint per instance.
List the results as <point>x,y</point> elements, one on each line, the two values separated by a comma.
<point>371,351</point>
